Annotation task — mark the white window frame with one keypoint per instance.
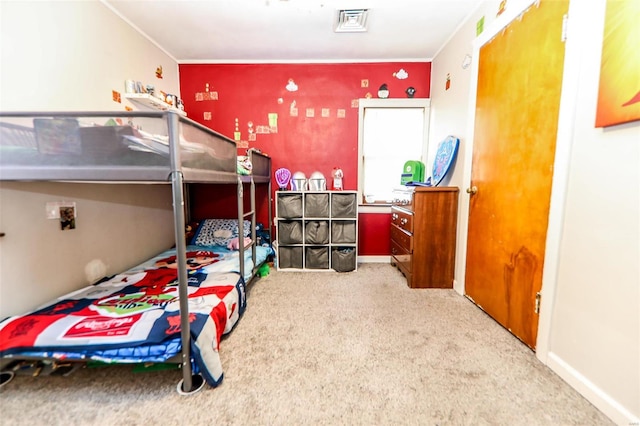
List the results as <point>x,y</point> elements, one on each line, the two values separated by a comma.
<point>364,104</point>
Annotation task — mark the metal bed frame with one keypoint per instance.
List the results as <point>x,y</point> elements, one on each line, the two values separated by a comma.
<point>171,168</point>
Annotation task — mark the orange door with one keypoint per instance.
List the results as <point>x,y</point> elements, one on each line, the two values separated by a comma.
<point>518,98</point>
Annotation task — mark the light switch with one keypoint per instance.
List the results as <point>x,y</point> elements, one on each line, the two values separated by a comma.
<point>53,210</point>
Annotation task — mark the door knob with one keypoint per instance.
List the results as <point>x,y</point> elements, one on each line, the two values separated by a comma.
<point>473,190</point>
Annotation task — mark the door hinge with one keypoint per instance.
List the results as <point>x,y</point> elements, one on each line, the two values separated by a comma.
<point>536,308</point>
<point>565,23</point>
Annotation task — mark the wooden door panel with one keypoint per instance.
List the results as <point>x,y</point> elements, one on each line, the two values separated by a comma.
<point>518,97</point>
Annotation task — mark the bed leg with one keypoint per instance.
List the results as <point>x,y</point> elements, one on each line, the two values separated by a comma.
<point>6,377</point>
<point>197,383</point>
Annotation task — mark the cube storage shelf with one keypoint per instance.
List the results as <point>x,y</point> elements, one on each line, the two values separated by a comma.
<point>316,230</point>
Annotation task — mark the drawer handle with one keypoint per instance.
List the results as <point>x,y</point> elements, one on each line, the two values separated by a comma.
<point>404,221</point>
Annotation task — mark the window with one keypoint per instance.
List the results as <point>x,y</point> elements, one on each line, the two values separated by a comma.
<point>390,132</point>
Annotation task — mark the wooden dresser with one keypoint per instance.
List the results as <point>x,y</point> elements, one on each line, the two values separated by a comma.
<point>423,235</point>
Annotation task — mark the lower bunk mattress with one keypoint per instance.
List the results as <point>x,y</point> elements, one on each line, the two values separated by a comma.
<point>225,260</point>
<point>134,317</point>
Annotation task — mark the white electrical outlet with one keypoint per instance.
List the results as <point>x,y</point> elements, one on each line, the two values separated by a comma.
<point>53,210</point>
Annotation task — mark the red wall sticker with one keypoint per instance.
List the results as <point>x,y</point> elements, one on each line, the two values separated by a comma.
<point>305,116</point>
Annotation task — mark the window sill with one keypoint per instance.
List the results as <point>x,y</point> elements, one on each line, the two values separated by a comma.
<point>374,208</point>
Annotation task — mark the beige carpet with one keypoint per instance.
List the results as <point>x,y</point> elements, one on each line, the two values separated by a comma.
<point>334,349</point>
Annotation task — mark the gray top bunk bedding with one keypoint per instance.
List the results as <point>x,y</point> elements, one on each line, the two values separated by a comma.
<point>118,147</point>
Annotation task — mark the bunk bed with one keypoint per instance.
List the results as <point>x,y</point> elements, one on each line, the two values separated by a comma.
<point>191,294</point>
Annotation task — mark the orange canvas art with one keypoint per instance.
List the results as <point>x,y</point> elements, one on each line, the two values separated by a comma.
<point>619,90</point>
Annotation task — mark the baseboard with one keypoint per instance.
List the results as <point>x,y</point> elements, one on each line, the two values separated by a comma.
<point>374,259</point>
<point>458,287</point>
<point>592,393</point>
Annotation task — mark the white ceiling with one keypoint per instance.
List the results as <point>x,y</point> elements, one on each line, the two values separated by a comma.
<point>294,30</point>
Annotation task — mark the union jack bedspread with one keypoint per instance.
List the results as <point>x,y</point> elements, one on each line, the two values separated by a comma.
<point>134,317</point>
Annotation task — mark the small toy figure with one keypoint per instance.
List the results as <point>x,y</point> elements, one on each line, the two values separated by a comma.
<point>337,178</point>
<point>383,92</point>
<point>263,271</point>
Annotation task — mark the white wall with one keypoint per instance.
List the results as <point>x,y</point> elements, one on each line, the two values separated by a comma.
<point>117,226</point>
<point>70,55</point>
<point>594,340</point>
<point>451,112</point>
<point>590,324</point>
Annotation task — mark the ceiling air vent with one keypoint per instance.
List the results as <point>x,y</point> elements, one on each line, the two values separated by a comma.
<point>352,21</point>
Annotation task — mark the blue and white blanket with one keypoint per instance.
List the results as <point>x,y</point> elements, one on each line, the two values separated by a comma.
<point>135,317</point>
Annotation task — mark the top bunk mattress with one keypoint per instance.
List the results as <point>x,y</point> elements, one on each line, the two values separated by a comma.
<point>112,146</point>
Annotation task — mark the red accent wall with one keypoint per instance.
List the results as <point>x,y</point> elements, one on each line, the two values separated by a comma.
<point>221,201</point>
<point>374,234</point>
<point>315,127</point>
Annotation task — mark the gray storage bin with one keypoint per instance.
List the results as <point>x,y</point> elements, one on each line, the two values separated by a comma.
<point>317,258</point>
<point>316,232</point>
<point>343,205</point>
<point>343,259</point>
<point>289,206</point>
<point>290,232</point>
<point>316,205</point>
<point>343,232</point>
<point>289,257</point>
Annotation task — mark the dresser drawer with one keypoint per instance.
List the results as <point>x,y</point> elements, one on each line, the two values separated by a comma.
<point>402,238</point>
<point>401,256</point>
<point>402,219</point>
